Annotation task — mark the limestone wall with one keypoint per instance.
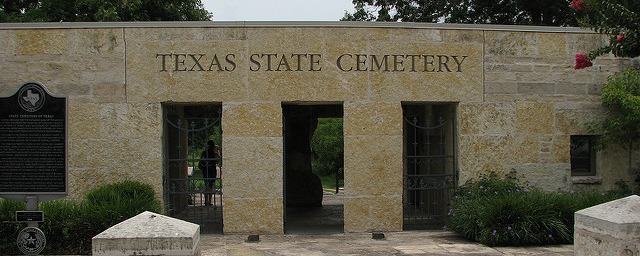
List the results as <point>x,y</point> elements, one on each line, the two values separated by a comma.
<point>109,137</point>
<point>518,101</point>
<point>533,101</point>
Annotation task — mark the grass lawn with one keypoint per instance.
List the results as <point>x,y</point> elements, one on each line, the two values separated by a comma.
<point>329,182</point>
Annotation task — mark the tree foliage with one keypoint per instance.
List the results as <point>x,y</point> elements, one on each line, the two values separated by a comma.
<point>327,144</point>
<point>525,12</point>
<point>619,19</point>
<point>621,98</point>
<point>101,10</point>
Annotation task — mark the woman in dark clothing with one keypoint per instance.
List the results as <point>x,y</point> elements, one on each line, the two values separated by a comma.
<point>208,164</point>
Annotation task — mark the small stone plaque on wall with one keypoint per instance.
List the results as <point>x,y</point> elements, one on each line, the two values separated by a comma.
<point>33,142</point>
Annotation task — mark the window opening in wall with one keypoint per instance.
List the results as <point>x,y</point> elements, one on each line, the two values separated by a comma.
<point>193,164</point>
<point>583,155</point>
<point>313,165</point>
<point>430,166</point>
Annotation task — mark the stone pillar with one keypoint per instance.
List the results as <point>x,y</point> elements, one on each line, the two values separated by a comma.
<point>611,228</point>
<point>373,166</point>
<point>304,188</point>
<point>252,177</point>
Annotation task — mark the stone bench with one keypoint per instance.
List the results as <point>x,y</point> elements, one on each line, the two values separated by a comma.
<point>149,233</point>
<point>611,228</point>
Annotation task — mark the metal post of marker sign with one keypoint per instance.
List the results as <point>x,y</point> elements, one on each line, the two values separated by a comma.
<point>33,156</point>
<point>31,240</point>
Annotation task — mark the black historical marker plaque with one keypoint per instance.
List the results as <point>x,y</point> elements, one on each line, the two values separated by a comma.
<point>29,216</point>
<point>33,142</point>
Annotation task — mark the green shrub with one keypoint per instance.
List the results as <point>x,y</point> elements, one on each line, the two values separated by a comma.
<point>502,211</point>
<point>62,227</point>
<point>114,203</point>
<point>9,229</point>
<point>568,203</point>
<point>70,225</point>
<point>109,205</point>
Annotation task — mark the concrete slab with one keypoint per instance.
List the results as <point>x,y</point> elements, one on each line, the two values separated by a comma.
<point>611,228</point>
<point>149,233</point>
<point>395,243</point>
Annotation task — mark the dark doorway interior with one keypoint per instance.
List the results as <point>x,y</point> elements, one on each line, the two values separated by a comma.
<point>309,208</point>
<point>430,167</point>
<point>192,177</point>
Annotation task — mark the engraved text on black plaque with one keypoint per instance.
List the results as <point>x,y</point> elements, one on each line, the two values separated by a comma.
<point>32,142</point>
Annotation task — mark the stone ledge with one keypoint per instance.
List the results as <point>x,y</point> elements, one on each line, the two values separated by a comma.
<point>586,180</point>
<point>284,24</point>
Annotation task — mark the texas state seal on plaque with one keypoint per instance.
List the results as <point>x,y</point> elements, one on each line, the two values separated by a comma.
<point>31,240</point>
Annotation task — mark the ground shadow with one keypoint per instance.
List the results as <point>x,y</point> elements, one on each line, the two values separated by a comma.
<point>327,219</point>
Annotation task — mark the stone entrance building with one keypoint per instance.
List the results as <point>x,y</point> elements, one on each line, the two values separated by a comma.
<point>424,107</point>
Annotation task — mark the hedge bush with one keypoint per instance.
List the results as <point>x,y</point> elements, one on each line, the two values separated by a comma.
<point>69,225</point>
<point>8,228</point>
<point>502,211</point>
<point>114,203</point>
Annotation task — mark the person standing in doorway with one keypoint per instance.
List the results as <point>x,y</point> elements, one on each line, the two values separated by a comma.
<point>208,163</point>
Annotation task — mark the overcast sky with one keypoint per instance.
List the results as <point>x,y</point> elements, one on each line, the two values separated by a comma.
<point>278,10</point>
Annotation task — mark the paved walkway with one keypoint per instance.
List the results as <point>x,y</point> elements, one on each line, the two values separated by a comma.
<point>394,243</point>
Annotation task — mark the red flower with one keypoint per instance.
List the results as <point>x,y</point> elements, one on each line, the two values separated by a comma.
<point>578,5</point>
<point>620,37</point>
<point>582,61</point>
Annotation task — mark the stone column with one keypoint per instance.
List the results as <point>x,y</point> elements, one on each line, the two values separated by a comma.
<point>252,173</point>
<point>303,187</point>
<point>373,166</point>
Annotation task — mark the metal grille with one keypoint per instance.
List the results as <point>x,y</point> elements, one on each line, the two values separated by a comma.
<point>430,172</point>
<point>186,189</point>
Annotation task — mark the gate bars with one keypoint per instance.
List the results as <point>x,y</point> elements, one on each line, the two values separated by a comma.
<point>184,184</point>
<point>430,173</point>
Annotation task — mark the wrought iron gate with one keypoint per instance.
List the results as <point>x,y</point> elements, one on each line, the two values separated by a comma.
<point>189,194</point>
<point>430,170</point>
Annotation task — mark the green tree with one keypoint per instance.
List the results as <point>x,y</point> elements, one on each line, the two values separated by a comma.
<point>18,10</point>
<point>359,14</point>
<point>619,19</point>
<point>621,98</point>
<point>101,10</point>
<point>526,12</point>
<point>327,145</point>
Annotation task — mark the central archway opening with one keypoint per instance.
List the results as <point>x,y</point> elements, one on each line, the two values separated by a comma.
<point>313,166</point>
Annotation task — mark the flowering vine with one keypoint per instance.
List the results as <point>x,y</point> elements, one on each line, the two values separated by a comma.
<point>582,61</point>
<point>578,5</point>
<point>618,19</point>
